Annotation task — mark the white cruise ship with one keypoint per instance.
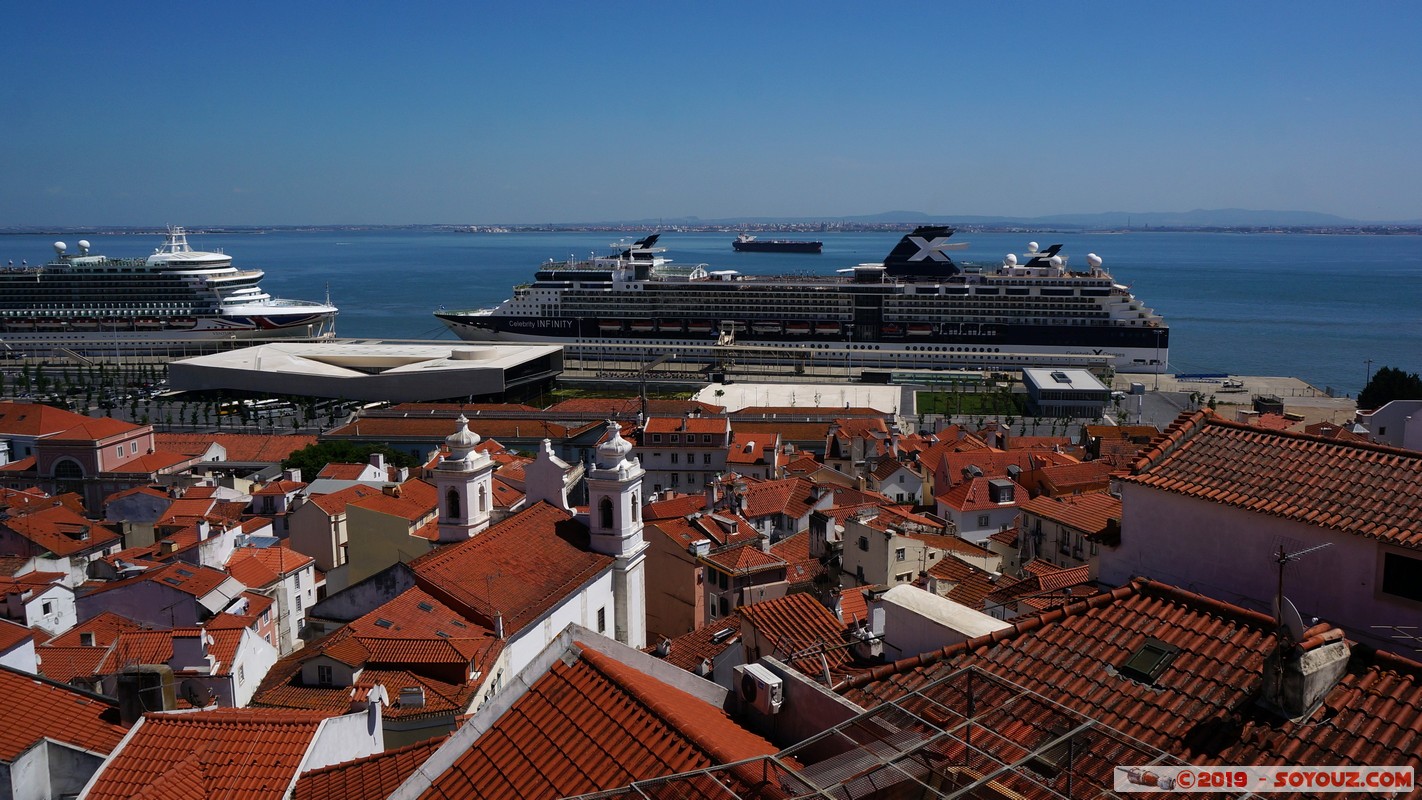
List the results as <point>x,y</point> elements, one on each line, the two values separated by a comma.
<point>174,300</point>
<point>918,309</point>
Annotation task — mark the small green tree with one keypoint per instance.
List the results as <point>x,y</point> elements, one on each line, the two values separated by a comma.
<point>1389,384</point>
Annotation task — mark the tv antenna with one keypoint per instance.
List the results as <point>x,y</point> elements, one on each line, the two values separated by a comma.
<point>1284,612</point>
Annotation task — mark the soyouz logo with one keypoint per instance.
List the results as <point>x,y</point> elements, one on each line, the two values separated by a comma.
<point>1264,779</point>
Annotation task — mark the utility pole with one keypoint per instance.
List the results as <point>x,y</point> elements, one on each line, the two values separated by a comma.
<point>1367,373</point>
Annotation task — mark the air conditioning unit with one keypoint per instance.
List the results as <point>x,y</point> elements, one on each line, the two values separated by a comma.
<point>759,688</point>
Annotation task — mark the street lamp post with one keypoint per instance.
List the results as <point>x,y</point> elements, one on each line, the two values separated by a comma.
<point>1157,358</point>
<point>1368,372</point>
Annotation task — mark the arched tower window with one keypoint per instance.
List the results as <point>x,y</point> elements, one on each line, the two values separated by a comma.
<point>636,502</point>
<point>604,510</point>
<point>68,475</point>
<point>483,500</point>
<point>451,502</point>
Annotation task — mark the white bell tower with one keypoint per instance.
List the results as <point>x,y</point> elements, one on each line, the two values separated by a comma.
<point>465,482</point>
<point>615,523</point>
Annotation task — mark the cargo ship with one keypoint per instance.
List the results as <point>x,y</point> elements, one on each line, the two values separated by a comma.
<point>746,243</point>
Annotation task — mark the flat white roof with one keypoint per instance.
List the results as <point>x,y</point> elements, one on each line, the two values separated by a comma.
<point>736,396</point>
<point>1062,378</point>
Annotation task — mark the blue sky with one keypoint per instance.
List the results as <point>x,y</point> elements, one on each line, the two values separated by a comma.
<point>365,112</point>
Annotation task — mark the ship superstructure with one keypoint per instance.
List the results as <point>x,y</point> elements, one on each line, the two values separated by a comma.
<point>919,308</point>
<point>175,298</point>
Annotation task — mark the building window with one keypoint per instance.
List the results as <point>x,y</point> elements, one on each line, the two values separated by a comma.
<point>324,676</point>
<point>864,543</point>
<point>602,620</point>
<point>676,458</point>
<point>725,606</point>
<point>900,554</point>
<point>706,438</point>
<point>983,520</point>
<point>1402,576</point>
<point>46,608</point>
<point>706,458</point>
<point>241,674</point>
<point>676,438</point>
<point>133,448</point>
<point>120,450</point>
<point>903,577</point>
<point>86,639</point>
<point>721,579</point>
<point>297,575</point>
<point>676,479</point>
<point>451,502</point>
<point>656,438</point>
<point>483,500</point>
<point>605,512</point>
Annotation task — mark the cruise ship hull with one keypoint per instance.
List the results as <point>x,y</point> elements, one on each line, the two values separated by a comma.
<point>1142,350</point>
<point>918,308</point>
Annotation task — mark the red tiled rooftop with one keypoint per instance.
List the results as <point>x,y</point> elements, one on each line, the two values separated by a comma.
<point>520,567</point>
<point>12,634</point>
<point>335,503</point>
<point>91,428</point>
<point>236,754</point>
<point>36,419</point>
<point>707,642</point>
<point>60,530</point>
<point>342,472</point>
<point>1089,513</point>
<point>412,500</point>
<point>717,426</point>
<point>744,558</point>
<point>35,709</point>
<point>1368,490</point>
<point>799,624</point>
<point>974,495</point>
<point>371,778</point>
<point>626,726</point>
<point>1201,705</point>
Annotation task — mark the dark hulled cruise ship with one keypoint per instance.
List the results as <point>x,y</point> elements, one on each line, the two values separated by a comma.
<point>918,309</point>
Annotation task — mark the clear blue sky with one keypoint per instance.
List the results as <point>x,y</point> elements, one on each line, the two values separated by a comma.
<point>381,112</point>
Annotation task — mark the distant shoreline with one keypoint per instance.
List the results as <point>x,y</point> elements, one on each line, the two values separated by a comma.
<point>886,227</point>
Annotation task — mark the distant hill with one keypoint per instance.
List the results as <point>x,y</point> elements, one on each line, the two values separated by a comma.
<point>1198,218</point>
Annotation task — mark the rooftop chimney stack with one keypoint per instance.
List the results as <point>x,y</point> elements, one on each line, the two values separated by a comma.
<point>1299,675</point>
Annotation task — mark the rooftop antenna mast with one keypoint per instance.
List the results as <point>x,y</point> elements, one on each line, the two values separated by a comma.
<point>1284,612</point>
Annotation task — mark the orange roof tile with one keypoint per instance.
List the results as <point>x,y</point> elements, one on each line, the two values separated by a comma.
<point>673,507</point>
<point>1200,707</point>
<point>36,708</point>
<point>67,664</point>
<point>520,567</point>
<point>12,634</point>
<point>1364,489</point>
<point>36,419</point>
<point>1088,513</point>
<point>973,495</point>
<point>335,503</point>
<point>237,754</point>
<point>798,625</point>
<point>745,558</point>
<point>92,428</point>
<point>629,726</point>
<point>412,500</point>
<point>59,530</point>
<point>801,567</point>
<point>371,778</point>
<point>342,472</point>
<point>707,642</point>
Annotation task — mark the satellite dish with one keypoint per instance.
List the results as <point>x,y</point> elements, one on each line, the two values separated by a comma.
<point>197,695</point>
<point>1290,617</point>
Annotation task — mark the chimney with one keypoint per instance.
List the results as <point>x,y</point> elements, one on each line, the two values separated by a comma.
<point>1299,675</point>
<point>145,687</point>
<point>377,460</point>
<point>664,647</point>
<point>402,474</point>
<point>499,625</point>
<point>713,495</point>
<point>705,668</point>
<point>392,490</point>
<point>412,697</point>
<point>293,475</point>
<point>165,547</point>
<point>203,529</point>
<point>764,542</point>
<point>700,548</point>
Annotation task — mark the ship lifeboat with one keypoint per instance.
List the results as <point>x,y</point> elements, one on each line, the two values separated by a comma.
<point>699,326</point>
<point>148,323</point>
<point>827,328</point>
<point>110,323</point>
<point>609,325</point>
<point>49,324</point>
<point>84,324</point>
<point>892,329</point>
<point>21,324</point>
<point>920,329</point>
<point>797,328</point>
<point>765,327</point>
<point>183,323</point>
<point>669,326</point>
<point>642,325</point>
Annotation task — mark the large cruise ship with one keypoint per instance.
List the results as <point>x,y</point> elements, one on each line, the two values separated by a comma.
<point>917,309</point>
<point>176,299</point>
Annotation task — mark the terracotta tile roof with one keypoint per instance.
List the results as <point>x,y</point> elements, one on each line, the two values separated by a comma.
<point>970,585</point>
<point>36,419</point>
<point>282,688</point>
<point>993,463</point>
<point>1330,430</point>
<point>744,559</point>
<point>435,429</point>
<point>793,497</point>
<point>12,634</point>
<point>26,464</point>
<point>105,627</point>
<point>59,530</point>
<point>66,664</point>
<point>36,708</point>
<point>187,578</point>
<point>250,448</point>
<point>798,625</point>
<point>973,495</point>
<point>1088,513</point>
<point>707,642</point>
<point>673,508</point>
<point>520,567</point>
<point>1368,490</point>
<point>750,451</point>
<point>1201,705</point>
<point>338,471</point>
<point>280,488</point>
<point>621,407</point>
<point>150,464</point>
<point>801,567</point>
<point>452,410</point>
<point>788,431</point>
<point>371,778</point>
<point>412,500</point>
<point>1143,433</point>
<point>335,503</point>
<point>185,510</point>
<point>1007,537</point>
<point>854,604</point>
<point>92,428</point>
<point>1038,442</point>
<point>589,725</point>
<point>260,567</point>
<point>237,754</point>
<point>1064,478</point>
<point>695,425</point>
